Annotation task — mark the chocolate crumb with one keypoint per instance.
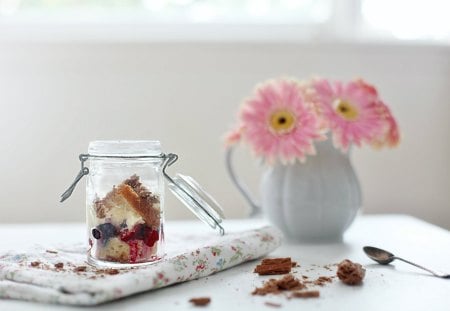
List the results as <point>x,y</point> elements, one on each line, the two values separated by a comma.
<point>306,294</point>
<point>271,266</point>
<point>322,280</point>
<point>273,261</point>
<point>102,272</point>
<point>35,263</point>
<point>272,304</point>
<point>200,301</point>
<point>59,265</point>
<point>51,252</point>
<point>112,271</point>
<point>80,269</point>
<point>350,273</point>
<point>275,286</point>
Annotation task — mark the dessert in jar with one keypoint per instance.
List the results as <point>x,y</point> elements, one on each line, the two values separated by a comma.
<point>126,224</point>
<point>125,201</point>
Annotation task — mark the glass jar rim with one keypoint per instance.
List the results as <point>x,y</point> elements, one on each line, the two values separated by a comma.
<point>118,148</point>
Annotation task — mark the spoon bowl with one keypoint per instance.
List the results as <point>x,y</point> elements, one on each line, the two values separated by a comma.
<point>379,255</point>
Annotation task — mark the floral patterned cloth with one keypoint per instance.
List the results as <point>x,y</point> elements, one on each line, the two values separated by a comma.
<point>61,274</point>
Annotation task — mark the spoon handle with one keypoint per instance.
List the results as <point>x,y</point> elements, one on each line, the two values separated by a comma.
<point>418,266</point>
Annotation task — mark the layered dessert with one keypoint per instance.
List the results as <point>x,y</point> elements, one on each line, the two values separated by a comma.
<point>127,226</point>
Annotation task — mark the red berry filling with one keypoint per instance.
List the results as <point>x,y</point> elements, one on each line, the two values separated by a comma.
<point>139,235</point>
<point>151,237</point>
<point>135,250</point>
<point>126,235</point>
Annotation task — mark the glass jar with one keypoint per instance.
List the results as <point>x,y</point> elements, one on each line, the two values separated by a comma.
<point>125,201</point>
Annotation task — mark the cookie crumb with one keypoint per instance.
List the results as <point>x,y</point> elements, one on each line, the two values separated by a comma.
<point>350,273</point>
<point>59,265</point>
<point>35,263</point>
<point>112,271</point>
<point>322,280</point>
<point>275,286</point>
<point>272,304</point>
<point>306,294</point>
<point>200,301</point>
<point>80,269</point>
<point>102,272</point>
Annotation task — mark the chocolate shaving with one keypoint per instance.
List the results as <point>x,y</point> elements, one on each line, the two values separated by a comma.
<point>59,265</point>
<point>305,294</point>
<point>107,271</point>
<point>35,263</point>
<point>200,301</point>
<point>272,266</point>
<point>272,304</point>
<point>112,271</point>
<point>322,280</point>
<point>80,269</point>
<point>274,261</point>
<point>51,252</point>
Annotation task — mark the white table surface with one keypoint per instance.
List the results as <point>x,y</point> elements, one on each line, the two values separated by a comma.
<point>395,287</point>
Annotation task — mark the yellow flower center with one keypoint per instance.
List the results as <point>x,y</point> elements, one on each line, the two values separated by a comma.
<point>282,121</point>
<point>346,110</point>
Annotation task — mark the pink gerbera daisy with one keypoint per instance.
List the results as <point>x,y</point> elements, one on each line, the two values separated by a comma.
<point>277,122</point>
<point>390,136</point>
<point>350,110</point>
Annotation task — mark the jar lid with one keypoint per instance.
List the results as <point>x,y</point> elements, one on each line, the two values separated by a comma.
<point>200,202</point>
<point>194,197</point>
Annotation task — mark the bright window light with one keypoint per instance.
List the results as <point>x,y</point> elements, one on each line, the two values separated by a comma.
<point>409,19</point>
<point>422,20</point>
<point>177,11</point>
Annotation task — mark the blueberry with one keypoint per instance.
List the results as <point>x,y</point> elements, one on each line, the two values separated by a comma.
<point>107,231</point>
<point>140,230</point>
<point>96,234</point>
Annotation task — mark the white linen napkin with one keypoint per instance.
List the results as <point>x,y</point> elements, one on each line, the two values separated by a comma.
<point>61,274</point>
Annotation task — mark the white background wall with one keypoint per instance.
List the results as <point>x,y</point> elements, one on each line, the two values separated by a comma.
<point>56,97</point>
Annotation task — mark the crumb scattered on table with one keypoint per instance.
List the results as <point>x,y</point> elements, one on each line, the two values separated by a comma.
<point>305,294</point>
<point>275,286</point>
<point>80,269</point>
<point>271,266</point>
<point>350,273</point>
<point>200,301</point>
<point>272,304</point>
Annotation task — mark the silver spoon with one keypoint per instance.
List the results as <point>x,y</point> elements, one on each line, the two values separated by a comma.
<point>384,257</point>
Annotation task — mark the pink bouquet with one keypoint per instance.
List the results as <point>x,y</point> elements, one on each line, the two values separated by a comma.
<point>284,117</point>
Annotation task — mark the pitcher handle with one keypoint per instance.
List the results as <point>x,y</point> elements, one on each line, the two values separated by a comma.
<point>243,189</point>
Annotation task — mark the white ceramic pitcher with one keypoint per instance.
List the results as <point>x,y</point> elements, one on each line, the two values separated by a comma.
<point>315,201</point>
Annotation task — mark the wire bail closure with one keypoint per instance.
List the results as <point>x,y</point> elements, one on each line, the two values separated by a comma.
<point>84,171</point>
<point>183,187</point>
